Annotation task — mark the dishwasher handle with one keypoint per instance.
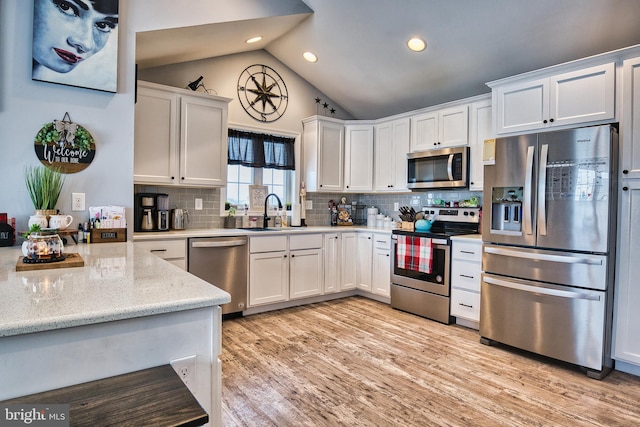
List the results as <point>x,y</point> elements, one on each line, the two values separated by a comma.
<point>218,243</point>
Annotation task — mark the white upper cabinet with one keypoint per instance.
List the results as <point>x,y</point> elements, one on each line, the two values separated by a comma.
<point>480,128</point>
<point>390,156</point>
<point>440,129</point>
<point>156,148</point>
<point>180,137</point>
<point>358,148</point>
<point>630,135</point>
<point>323,153</point>
<point>576,97</point>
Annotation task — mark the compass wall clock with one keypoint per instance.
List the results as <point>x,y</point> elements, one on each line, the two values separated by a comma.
<point>262,93</point>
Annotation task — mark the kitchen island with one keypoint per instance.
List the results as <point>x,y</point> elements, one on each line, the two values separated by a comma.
<point>125,310</point>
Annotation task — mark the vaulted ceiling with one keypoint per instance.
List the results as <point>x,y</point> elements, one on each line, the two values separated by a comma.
<point>364,64</point>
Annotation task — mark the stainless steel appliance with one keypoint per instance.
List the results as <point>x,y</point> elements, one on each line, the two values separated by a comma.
<point>427,294</point>
<point>178,218</point>
<point>445,168</point>
<point>223,262</point>
<point>151,212</point>
<point>549,242</point>
<point>162,206</point>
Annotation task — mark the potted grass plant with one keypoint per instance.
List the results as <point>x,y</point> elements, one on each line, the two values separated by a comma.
<point>44,186</point>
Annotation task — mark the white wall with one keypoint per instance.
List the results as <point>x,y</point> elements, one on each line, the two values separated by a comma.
<point>25,105</point>
<point>221,75</point>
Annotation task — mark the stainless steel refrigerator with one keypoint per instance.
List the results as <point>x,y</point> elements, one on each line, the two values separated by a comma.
<point>549,229</point>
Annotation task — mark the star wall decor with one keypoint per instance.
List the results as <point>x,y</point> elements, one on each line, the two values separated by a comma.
<point>325,106</point>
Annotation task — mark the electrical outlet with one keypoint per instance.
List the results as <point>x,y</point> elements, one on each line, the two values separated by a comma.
<point>185,367</point>
<point>309,205</point>
<point>198,204</point>
<point>77,202</point>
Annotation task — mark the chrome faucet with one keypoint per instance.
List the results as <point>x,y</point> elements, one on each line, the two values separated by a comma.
<point>265,224</point>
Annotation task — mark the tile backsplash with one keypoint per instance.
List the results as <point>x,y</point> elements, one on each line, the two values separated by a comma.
<point>209,216</point>
<point>184,198</point>
<point>319,215</point>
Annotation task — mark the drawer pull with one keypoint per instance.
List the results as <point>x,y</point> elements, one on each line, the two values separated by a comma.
<point>468,252</point>
<point>158,250</point>
<point>465,305</point>
<point>468,277</point>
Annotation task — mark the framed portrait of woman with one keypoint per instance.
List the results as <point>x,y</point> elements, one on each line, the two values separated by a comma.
<point>75,43</point>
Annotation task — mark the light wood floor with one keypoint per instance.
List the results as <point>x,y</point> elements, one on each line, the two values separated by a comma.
<point>357,362</point>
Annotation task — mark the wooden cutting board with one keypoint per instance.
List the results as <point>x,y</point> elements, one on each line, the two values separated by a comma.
<point>71,260</point>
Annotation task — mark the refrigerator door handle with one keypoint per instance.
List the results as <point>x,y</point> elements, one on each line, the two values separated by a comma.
<point>543,257</point>
<point>528,196</point>
<point>542,188</point>
<point>592,296</point>
<point>450,167</point>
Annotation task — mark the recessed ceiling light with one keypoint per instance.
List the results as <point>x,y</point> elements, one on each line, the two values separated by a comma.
<point>416,44</point>
<point>254,39</point>
<point>310,56</point>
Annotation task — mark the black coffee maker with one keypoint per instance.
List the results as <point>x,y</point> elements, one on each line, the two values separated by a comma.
<point>151,212</point>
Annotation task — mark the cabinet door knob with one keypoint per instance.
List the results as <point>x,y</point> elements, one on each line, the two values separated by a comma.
<point>292,256</point>
<point>551,120</point>
<point>625,188</point>
<point>173,177</point>
<point>544,121</point>
<point>625,171</point>
<point>182,177</point>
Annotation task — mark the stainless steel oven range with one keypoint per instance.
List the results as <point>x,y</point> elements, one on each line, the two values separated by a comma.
<point>427,294</point>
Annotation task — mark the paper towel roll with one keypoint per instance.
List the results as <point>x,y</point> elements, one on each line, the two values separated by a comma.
<point>295,215</point>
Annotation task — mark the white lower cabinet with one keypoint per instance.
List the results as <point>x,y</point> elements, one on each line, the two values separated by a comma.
<point>365,261</point>
<point>381,274</point>
<point>173,251</point>
<point>268,278</point>
<point>626,340</point>
<point>305,273</point>
<point>284,267</point>
<point>349,258</point>
<point>466,269</point>
<point>332,263</point>
<point>268,270</point>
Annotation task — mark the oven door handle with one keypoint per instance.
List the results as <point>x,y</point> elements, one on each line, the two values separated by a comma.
<point>592,296</point>
<point>433,241</point>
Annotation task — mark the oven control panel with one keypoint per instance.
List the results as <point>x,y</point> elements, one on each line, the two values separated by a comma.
<point>471,215</point>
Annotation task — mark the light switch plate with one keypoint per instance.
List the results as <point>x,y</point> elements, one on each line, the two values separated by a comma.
<point>198,204</point>
<point>309,205</point>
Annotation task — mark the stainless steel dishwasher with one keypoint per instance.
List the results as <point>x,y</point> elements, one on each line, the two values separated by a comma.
<point>223,262</point>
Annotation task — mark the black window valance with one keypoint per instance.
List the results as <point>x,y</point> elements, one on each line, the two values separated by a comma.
<point>258,150</point>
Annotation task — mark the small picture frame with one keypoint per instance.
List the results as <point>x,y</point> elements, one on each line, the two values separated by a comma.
<point>257,194</point>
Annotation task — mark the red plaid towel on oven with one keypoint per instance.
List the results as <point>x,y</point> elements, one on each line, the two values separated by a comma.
<point>414,253</point>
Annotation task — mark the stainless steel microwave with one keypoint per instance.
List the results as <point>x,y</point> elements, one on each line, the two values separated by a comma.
<point>445,168</point>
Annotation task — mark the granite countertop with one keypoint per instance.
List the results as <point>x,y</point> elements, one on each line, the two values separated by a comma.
<point>118,281</point>
<point>222,232</point>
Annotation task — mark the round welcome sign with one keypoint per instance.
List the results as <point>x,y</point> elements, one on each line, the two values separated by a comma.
<point>65,146</point>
